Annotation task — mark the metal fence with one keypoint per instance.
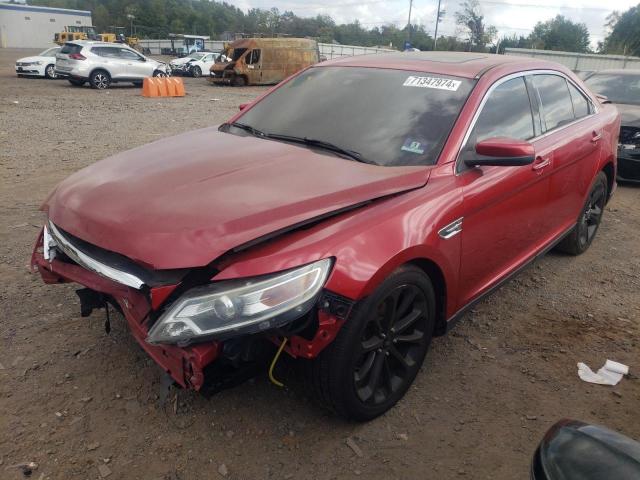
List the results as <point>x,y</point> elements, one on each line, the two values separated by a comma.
<point>579,62</point>
<point>328,50</point>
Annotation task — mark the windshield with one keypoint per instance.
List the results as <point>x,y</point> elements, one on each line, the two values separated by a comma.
<point>237,53</point>
<point>389,117</point>
<point>50,52</point>
<point>622,88</point>
<point>196,56</point>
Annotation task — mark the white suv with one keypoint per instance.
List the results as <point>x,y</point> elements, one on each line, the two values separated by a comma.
<point>102,63</point>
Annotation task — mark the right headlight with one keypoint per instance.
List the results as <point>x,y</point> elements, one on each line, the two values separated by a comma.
<point>238,307</point>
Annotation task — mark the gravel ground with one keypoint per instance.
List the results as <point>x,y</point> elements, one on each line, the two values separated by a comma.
<point>83,404</point>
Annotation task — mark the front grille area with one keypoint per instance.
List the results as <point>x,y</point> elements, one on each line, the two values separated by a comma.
<point>111,264</point>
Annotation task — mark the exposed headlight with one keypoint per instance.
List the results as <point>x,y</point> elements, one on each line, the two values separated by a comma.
<point>245,306</point>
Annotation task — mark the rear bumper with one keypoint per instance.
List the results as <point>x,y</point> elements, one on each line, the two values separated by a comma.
<point>70,75</point>
<point>184,365</point>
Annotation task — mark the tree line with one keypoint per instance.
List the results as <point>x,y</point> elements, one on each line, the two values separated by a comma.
<point>158,18</point>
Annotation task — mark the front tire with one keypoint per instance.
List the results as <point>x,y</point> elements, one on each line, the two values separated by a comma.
<point>196,72</point>
<point>378,352</point>
<point>582,235</point>
<point>239,81</point>
<point>50,71</point>
<point>100,80</point>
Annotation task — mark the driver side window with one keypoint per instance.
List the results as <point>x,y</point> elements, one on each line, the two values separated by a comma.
<point>506,113</point>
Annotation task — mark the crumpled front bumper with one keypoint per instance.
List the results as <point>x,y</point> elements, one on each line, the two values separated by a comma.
<point>184,365</point>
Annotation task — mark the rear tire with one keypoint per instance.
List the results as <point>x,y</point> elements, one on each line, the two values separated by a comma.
<point>196,72</point>
<point>50,71</point>
<point>580,238</point>
<point>100,80</point>
<point>378,352</point>
<point>76,83</point>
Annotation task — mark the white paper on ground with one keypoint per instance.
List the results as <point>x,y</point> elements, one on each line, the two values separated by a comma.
<point>610,374</point>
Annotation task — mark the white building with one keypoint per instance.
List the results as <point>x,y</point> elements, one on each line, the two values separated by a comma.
<point>26,26</point>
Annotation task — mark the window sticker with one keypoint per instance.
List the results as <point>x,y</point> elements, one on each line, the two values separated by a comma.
<point>432,82</point>
<point>412,146</point>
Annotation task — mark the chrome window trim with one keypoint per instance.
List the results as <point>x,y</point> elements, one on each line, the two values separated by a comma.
<point>89,263</point>
<point>511,76</point>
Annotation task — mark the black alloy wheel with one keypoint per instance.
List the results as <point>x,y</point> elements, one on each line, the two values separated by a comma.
<point>391,344</point>
<point>582,235</point>
<point>592,214</point>
<point>379,350</point>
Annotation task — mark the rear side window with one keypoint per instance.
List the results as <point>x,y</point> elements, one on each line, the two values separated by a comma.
<point>70,48</point>
<point>581,107</point>
<point>109,52</point>
<point>557,107</point>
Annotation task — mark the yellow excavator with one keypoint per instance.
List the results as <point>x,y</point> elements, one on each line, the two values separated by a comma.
<point>115,34</point>
<point>75,32</point>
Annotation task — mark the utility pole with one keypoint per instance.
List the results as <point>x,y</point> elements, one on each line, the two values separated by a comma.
<point>409,23</point>
<point>435,36</point>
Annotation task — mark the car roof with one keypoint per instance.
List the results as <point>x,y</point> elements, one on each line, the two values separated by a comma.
<point>460,64</point>
<point>95,43</point>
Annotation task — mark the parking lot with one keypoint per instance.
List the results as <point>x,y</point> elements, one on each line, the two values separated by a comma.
<point>84,404</point>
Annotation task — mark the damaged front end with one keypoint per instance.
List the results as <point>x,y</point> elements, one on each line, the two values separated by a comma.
<point>206,335</point>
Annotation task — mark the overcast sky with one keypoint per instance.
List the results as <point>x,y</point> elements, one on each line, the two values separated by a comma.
<point>509,16</point>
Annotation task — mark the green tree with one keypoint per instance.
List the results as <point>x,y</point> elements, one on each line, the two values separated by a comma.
<point>624,36</point>
<point>472,21</point>
<point>560,34</point>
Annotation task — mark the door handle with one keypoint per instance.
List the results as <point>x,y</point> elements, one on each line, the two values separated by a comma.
<point>596,136</point>
<point>540,163</point>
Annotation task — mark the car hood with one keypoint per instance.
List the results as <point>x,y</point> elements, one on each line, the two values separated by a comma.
<point>34,59</point>
<point>184,201</point>
<point>180,61</point>
<point>630,114</point>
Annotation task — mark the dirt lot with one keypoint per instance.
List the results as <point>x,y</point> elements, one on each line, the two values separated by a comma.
<point>74,399</point>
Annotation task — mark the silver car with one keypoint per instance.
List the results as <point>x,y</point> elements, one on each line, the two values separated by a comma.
<point>102,63</point>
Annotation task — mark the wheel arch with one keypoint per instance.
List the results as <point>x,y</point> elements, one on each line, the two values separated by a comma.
<point>609,171</point>
<point>435,274</point>
<point>436,269</point>
<point>99,69</point>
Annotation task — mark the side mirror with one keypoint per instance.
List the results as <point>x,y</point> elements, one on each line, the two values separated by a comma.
<point>573,449</point>
<point>242,106</point>
<point>503,152</point>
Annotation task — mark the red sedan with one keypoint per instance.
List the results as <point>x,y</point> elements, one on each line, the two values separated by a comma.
<point>349,215</point>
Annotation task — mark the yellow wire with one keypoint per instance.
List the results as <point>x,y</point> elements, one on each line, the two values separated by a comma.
<point>273,364</point>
